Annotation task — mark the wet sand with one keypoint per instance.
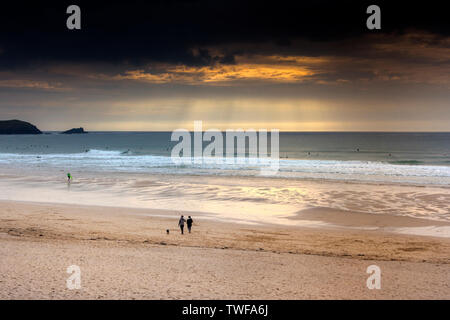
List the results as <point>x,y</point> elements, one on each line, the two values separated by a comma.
<point>126,254</point>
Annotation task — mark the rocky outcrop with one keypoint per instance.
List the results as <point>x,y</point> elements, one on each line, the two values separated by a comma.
<point>74,131</point>
<point>17,127</point>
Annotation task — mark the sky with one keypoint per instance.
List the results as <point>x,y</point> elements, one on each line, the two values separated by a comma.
<point>292,66</point>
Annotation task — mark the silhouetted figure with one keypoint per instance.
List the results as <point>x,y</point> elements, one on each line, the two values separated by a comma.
<point>69,177</point>
<point>181,224</point>
<point>189,223</point>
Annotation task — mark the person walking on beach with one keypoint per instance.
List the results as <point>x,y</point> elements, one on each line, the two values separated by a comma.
<point>69,177</point>
<point>181,224</point>
<point>189,223</point>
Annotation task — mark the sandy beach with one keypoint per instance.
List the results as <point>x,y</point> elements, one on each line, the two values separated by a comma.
<point>126,254</point>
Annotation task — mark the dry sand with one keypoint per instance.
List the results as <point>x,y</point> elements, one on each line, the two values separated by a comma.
<point>126,254</point>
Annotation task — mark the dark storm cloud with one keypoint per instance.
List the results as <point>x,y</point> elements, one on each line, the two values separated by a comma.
<point>157,65</point>
<point>135,33</point>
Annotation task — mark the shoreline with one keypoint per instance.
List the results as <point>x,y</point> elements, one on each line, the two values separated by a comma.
<point>308,179</point>
<point>250,199</point>
<point>310,217</point>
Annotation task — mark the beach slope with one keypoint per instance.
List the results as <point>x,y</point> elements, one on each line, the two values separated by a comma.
<point>126,254</point>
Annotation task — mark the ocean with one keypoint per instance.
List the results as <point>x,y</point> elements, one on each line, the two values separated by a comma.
<point>418,158</point>
<point>405,174</point>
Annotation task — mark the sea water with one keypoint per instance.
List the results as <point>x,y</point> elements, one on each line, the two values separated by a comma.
<point>404,174</point>
<point>420,158</point>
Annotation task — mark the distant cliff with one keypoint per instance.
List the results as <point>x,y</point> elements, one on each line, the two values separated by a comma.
<point>74,130</point>
<point>17,127</point>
